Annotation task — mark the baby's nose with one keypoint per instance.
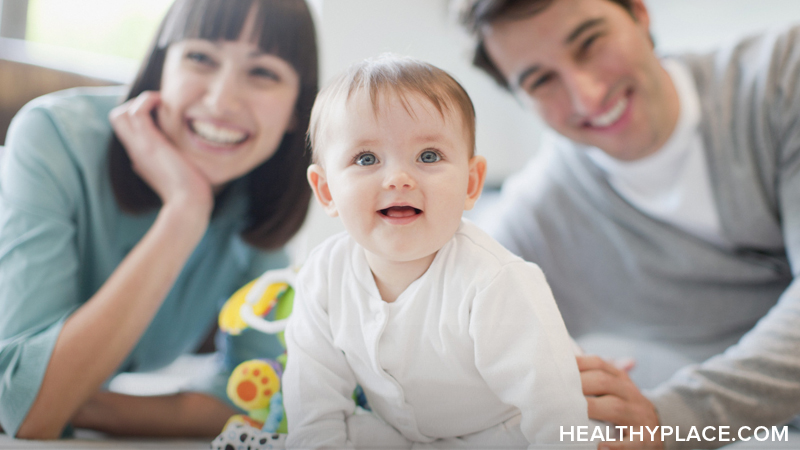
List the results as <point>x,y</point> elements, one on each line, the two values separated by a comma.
<point>399,179</point>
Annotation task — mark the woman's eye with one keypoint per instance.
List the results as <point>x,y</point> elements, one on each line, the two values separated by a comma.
<point>263,72</point>
<point>366,159</point>
<point>200,58</point>
<point>430,156</point>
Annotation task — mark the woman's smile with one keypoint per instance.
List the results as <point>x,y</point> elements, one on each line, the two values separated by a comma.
<point>216,134</point>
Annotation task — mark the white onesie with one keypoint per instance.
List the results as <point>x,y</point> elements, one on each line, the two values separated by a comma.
<point>473,343</point>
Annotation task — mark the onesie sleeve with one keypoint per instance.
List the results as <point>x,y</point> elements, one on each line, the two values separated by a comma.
<point>318,383</point>
<point>523,352</point>
<point>38,257</point>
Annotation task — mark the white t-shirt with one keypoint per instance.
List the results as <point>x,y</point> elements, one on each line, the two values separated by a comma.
<point>473,342</point>
<point>673,184</point>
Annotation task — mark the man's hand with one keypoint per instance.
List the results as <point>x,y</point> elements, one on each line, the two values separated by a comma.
<point>614,398</point>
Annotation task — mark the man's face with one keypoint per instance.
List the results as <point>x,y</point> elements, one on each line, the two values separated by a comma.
<point>589,69</point>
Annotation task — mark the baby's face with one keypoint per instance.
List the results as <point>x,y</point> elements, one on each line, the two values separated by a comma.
<point>399,178</point>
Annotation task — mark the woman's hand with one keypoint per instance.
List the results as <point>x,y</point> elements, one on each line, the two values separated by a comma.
<point>613,397</point>
<point>155,158</point>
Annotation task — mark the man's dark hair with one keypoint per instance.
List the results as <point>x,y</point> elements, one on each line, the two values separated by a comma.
<point>476,14</point>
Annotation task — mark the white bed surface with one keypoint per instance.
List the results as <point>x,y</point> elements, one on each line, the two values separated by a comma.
<point>85,439</point>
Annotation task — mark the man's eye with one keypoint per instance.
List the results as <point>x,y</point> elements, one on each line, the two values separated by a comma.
<point>366,159</point>
<point>587,44</point>
<point>430,156</point>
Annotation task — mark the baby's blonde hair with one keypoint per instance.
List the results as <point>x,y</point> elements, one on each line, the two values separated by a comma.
<point>398,75</point>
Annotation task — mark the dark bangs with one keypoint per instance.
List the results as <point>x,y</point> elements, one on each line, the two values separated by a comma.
<point>278,191</point>
<point>282,28</point>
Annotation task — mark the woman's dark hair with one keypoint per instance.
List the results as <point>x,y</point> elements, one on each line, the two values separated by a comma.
<point>475,14</point>
<point>278,191</point>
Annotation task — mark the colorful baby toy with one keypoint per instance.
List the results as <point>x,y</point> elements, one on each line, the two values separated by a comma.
<point>255,385</point>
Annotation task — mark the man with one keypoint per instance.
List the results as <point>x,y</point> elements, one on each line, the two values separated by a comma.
<point>666,210</point>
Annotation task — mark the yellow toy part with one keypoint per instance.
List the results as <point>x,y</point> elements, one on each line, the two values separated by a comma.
<point>252,384</point>
<point>269,278</point>
<point>230,319</point>
<point>244,420</point>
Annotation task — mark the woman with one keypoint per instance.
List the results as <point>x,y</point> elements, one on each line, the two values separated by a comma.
<point>118,247</point>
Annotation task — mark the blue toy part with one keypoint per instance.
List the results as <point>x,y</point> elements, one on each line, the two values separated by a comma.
<point>276,414</point>
<point>361,398</point>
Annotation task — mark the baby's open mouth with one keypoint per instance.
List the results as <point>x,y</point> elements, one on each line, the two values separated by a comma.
<point>400,211</point>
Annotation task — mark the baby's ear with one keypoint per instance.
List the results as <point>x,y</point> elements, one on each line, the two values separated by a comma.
<point>319,184</point>
<point>477,175</point>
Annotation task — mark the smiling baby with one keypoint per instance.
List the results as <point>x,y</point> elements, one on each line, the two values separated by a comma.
<point>455,341</point>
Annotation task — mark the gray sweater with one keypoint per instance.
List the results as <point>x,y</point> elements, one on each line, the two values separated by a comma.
<point>615,270</point>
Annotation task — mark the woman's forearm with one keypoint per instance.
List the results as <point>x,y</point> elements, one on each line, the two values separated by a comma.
<point>98,336</point>
<point>186,414</point>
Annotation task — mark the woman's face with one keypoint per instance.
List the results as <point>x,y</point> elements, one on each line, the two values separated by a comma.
<point>226,105</point>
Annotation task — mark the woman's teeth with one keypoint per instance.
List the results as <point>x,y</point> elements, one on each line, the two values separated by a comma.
<point>612,115</point>
<point>217,135</point>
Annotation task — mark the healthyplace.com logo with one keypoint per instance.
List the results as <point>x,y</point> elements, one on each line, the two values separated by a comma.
<point>707,434</point>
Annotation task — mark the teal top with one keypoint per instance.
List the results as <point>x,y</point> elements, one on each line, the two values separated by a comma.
<point>62,234</point>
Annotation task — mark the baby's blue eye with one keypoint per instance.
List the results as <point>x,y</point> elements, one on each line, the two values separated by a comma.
<point>430,156</point>
<point>366,159</point>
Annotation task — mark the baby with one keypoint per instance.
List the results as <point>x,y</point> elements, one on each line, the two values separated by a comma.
<point>455,341</point>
